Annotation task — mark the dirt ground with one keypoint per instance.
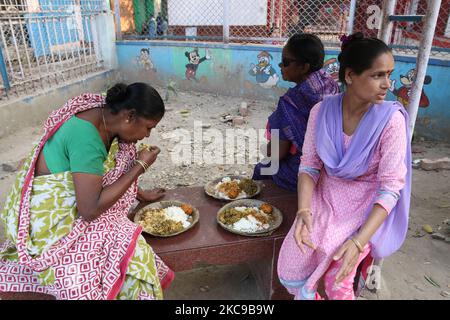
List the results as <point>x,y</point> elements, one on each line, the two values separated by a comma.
<point>404,274</point>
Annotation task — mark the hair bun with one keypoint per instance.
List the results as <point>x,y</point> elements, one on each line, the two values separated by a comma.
<point>347,40</point>
<point>117,93</point>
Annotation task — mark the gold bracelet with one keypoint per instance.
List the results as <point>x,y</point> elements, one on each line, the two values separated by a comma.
<point>143,164</point>
<point>357,244</point>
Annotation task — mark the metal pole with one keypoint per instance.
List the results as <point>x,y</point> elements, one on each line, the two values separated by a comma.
<point>17,49</point>
<point>117,19</point>
<point>272,14</point>
<point>8,57</point>
<point>386,25</point>
<point>413,9</point>
<point>4,72</point>
<point>95,42</point>
<point>422,60</point>
<point>351,17</point>
<point>226,21</point>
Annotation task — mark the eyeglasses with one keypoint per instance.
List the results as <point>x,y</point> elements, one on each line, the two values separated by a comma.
<point>285,62</point>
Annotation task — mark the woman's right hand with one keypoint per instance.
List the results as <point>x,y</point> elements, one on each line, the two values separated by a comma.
<point>148,156</point>
<point>303,229</point>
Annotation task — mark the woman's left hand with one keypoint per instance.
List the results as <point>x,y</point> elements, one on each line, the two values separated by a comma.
<point>350,254</point>
<point>151,195</point>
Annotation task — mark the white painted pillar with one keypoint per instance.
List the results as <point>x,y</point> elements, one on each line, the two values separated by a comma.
<point>117,19</point>
<point>104,25</point>
<point>385,31</point>
<point>226,20</point>
<point>351,17</point>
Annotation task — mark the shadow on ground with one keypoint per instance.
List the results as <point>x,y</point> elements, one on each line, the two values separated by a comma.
<point>214,283</point>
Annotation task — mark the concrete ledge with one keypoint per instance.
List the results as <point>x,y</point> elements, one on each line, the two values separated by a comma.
<point>34,109</point>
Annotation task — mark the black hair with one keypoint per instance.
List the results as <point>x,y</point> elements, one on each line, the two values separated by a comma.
<point>145,50</point>
<point>138,96</point>
<point>358,53</point>
<point>307,48</point>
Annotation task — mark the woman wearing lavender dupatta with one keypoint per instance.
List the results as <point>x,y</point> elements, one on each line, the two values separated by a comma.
<point>302,60</point>
<point>354,179</point>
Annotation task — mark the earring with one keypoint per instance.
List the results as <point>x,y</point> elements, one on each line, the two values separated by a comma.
<point>127,121</point>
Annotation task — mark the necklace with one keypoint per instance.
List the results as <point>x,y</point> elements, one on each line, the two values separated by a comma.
<point>104,124</point>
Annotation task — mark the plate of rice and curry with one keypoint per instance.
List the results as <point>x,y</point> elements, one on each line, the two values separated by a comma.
<point>249,217</point>
<point>167,218</point>
<point>232,188</point>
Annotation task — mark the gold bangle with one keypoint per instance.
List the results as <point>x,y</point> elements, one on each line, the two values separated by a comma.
<point>146,166</point>
<point>143,164</point>
<point>357,244</point>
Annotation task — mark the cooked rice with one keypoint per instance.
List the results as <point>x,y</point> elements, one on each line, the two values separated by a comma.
<point>246,219</point>
<point>250,224</point>
<point>164,221</point>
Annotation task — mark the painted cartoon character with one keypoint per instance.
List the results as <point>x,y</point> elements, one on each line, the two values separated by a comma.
<point>194,61</point>
<point>265,74</point>
<point>331,67</point>
<point>144,61</point>
<point>403,93</point>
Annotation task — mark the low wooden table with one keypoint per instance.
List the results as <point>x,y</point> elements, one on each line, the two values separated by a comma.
<point>209,243</point>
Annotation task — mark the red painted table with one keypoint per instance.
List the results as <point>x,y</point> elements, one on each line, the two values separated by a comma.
<point>209,243</point>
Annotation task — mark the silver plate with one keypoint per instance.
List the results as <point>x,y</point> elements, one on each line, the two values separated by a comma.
<point>210,191</point>
<point>162,205</point>
<point>275,224</point>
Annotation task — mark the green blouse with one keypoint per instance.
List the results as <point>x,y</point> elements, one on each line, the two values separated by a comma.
<point>76,147</point>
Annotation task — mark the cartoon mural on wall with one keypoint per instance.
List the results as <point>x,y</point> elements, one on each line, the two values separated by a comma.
<point>404,91</point>
<point>194,62</point>
<point>331,67</point>
<point>144,61</point>
<point>264,72</point>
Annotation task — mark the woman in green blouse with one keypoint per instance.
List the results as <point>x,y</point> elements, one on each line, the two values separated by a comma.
<point>66,216</point>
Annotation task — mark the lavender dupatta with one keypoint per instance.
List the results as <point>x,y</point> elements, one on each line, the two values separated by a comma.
<point>355,162</point>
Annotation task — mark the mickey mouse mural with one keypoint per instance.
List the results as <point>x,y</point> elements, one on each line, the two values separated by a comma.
<point>194,61</point>
<point>404,91</point>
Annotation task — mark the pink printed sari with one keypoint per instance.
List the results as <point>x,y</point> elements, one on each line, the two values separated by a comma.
<point>91,261</point>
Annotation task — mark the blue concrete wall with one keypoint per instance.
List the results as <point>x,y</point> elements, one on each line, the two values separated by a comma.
<point>252,71</point>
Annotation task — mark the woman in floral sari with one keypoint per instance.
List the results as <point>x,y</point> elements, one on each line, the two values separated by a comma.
<point>67,229</point>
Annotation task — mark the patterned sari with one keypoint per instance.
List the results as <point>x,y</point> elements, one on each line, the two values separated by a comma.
<point>50,249</point>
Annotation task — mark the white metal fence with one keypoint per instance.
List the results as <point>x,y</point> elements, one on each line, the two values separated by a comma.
<point>234,20</point>
<point>274,21</point>
<point>46,42</point>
